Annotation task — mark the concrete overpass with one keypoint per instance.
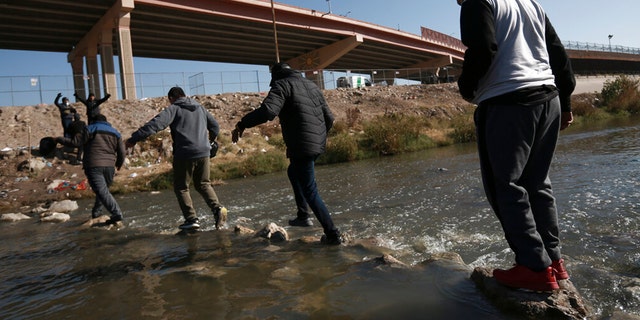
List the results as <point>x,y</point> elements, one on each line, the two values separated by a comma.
<point>589,62</point>
<point>92,32</point>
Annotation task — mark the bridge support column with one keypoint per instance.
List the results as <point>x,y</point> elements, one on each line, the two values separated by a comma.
<point>93,71</point>
<point>77,67</point>
<point>127,75</point>
<point>106,58</point>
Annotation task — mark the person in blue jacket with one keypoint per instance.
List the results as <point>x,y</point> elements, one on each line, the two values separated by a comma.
<point>104,152</point>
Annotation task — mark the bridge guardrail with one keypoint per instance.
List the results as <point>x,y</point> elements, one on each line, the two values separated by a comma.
<point>586,46</point>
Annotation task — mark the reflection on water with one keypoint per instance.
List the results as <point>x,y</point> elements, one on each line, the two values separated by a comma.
<point>412,205</point>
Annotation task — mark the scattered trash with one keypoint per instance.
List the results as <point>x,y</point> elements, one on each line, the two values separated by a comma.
<point>21,179</point>
<point>82,185</point>
<point>133,175</point>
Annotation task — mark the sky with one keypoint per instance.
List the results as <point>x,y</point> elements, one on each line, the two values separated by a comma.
<point>574,20</point>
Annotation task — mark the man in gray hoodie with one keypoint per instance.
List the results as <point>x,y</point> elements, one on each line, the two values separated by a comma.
<point>190,125</point>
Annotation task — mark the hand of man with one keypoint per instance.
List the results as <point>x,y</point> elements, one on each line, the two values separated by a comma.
<point>129,144</point>
<point>565,120</point>
<point>75,94</point>
<point>236,134</point>
<point>59,94</point>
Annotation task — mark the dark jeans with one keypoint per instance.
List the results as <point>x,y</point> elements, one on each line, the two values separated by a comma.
<point>196,170</point>
<point>100,179</point>
<point>516,145</point>
<point>301,174</point>
<point>66,123</point>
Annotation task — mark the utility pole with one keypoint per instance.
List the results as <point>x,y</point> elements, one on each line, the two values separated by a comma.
<point>275,32</point>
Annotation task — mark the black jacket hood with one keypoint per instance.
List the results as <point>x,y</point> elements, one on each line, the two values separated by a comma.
<point>284,73</point>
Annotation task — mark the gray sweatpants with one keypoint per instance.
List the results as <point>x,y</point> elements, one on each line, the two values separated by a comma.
<point>516,144</point>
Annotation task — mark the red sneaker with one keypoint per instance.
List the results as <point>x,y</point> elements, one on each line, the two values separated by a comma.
<point>524,278</point>
<point>558,269</point>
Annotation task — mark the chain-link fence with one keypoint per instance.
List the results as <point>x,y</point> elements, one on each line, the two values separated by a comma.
<point>23,91</point>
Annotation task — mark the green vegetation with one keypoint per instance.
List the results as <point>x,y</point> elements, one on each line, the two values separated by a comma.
<point>253,165</point>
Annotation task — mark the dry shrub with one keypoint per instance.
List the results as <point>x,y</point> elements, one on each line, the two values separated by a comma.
<point>353,115</point>
<point>339,127</point>
<point>464,129</point>
<point>395,133</point>
<point>622,95</point>
<point>342,147</point>
<point>583,108</point>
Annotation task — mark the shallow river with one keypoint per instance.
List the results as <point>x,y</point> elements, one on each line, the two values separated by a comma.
<point>413,205</point>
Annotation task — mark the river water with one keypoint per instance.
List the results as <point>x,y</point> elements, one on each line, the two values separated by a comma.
<point>413,205</point>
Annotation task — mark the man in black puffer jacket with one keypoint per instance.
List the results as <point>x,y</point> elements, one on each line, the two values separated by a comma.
<point>305,119</point>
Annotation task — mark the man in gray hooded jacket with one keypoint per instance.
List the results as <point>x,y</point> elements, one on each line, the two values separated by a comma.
<point>190,125</point>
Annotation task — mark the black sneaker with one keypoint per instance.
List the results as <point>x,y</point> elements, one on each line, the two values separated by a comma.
<point>301,222</point>
<point>334,239</point>
<point>190,224</point>
<point>220,216</point>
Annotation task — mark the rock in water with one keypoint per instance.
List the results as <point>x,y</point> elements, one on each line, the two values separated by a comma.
<point>565,303</point>
<point>13,217</point>
<point>64,206</point>
<point>54,217</point>
<point>273,232</point>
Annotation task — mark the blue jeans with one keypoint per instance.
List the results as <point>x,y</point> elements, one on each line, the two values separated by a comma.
<point>100,179</point>
<point>301,174</point>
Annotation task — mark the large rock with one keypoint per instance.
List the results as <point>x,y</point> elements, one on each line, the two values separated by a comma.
<point>242,230</point>
<point>13,217</point>
<point>54,217</point>
<point>7,153</point>
<point>273,232</point>
<point>565,303</point>
<point>33,165</point>
<point>63,206</point>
